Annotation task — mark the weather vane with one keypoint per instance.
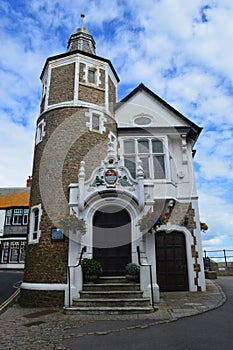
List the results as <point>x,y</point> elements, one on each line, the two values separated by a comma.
<point>82,16</point>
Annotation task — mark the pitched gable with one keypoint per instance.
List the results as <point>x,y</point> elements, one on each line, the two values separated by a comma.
<point>143,108</point>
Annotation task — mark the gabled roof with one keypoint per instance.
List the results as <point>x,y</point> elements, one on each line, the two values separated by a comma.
<point>194,128</point>
<point>14,197</point>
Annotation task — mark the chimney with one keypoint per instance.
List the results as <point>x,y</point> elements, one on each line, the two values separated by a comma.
<point>29,181</point>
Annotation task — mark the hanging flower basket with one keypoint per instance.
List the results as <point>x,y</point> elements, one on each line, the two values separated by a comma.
<point>72,223</point>
<point>151,221</point>
<point>203,226</point>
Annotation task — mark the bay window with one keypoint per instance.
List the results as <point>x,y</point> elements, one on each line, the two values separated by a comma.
<point>151,153</point>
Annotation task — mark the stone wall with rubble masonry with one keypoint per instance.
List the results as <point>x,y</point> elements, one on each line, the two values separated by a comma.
<point>178,214</point>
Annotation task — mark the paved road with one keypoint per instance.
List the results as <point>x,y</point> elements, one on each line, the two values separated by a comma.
<point>7,281</point>
<point>212,330</point>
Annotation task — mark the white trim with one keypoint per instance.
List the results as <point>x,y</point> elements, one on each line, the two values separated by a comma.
<point>12,266</point>
<point>40,131</point>
<point>48,88</point>
<point>44,286</point>
<point>76,80</point>
<point>102,120</point>
<point>16,238</point>
<point>31,228</point>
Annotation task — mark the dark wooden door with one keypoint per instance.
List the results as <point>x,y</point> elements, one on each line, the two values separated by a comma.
<point>171,262</point>
<point>112,240</point>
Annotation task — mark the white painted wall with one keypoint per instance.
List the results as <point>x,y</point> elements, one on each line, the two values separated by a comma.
<point>2,219</point>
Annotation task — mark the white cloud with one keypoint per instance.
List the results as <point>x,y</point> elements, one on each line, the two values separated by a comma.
<point>182,51</point>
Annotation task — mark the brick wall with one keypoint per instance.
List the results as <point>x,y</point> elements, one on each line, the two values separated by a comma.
<point>62,84</point>
<point>46,261</point>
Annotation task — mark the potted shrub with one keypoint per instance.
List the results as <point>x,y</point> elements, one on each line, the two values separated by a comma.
<point>91,269</point>
<point>132,272</point>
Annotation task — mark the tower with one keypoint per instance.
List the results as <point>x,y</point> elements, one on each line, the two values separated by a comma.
<point>75,124</point>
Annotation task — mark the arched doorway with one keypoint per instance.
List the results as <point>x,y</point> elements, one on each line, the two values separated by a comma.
<point>171,261</point>
<point>112,239</point>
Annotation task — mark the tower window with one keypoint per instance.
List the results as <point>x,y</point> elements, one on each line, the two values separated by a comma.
<point>91,76</point>
<point>40,131</point>
<point>95,121</point>
<point>34,232</point>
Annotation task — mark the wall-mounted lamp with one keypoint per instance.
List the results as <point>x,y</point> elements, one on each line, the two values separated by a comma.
<point>186,221</point>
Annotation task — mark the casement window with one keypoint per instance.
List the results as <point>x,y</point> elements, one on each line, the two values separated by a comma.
<point>20,217</point>
<point>34,230</point>
<point>151,153</point>
<point>8,217</point>
<point>16,217</point>
<point>91,76</point>
<point>40,131</point>
<point>96,121</point>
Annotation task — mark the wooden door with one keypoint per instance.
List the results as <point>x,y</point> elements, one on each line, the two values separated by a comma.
<point>112,240</point>
<point>171,261</point>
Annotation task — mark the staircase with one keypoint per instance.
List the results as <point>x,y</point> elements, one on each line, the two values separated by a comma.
<point>110,295</point>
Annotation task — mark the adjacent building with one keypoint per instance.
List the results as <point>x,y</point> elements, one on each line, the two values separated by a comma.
<point>110,164</point>
<point>14,209</point>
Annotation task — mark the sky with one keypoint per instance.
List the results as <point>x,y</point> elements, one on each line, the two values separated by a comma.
<point>181,50</point>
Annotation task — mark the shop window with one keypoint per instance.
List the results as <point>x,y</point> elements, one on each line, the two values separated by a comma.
<point>5,252</point>
<point>14,252</point>
<point>22,252</point>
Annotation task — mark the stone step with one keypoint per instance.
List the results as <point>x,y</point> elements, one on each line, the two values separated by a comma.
<point>113,310</point>
<point>143,302</point>
<point>112,287</point>
<point>110,294</point>
<point>111,280</point>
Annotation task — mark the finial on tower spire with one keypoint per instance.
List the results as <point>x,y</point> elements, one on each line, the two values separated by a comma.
<point>82,16</point>
<point>81,39</point>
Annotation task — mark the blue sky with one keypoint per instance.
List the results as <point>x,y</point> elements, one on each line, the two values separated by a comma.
<point>181,50</point>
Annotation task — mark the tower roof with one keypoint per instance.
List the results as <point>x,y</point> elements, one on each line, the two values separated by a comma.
<point>82,40</point>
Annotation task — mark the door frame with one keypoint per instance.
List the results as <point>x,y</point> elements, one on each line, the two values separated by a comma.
<point>189,258</point>
<point>173,261</point>
<point>123,201</point>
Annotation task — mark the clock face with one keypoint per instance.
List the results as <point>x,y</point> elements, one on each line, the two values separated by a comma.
<point>110,176</point>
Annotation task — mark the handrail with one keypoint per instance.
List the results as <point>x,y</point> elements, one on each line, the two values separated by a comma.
<point>84,249</point>
<point>151,281</point>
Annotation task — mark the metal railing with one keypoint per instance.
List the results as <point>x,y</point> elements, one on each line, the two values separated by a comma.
<point>84,249</point>
<point>151,280</point>
<point>219,254</point>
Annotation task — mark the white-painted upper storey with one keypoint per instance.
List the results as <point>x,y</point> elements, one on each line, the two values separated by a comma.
<point>142,105</point>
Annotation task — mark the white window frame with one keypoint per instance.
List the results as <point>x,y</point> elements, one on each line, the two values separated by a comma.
<point>15,217</point>
<point>32,231</point>
<point>149,155</point>
<point>8,217</point>
<point>101,129</point>
<point>95,69</point>
<point>40,131</point>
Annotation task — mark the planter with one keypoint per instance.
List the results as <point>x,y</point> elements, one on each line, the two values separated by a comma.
<point>132,278</point>
<point>90,279</point>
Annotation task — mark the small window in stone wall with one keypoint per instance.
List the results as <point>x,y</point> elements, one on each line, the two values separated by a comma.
<point>91,76</point>
<point>40,131</point>
<point>96,121</point>
<point>34,230</point>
